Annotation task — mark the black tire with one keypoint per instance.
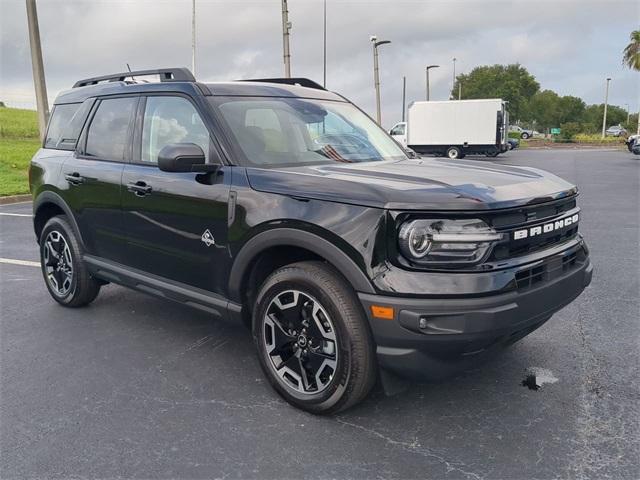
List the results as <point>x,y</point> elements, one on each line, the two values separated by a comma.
<point>524,135</point>
<point>74,287</point>
<point>344,378</point>
<point>453,153</point>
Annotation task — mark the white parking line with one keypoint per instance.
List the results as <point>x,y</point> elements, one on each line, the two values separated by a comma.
<point>16,214</point>
<point>24,263</point>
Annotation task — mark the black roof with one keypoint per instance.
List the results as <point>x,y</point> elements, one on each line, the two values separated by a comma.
<point>180,82</point>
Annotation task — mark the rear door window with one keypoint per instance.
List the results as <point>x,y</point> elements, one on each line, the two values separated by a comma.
<point>108,135</point>
<point>66,124</point>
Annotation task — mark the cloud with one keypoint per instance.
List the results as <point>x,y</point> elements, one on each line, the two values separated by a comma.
<point>570,46</point>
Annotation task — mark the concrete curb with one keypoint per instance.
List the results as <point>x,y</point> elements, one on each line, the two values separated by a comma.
<point>15,199</point>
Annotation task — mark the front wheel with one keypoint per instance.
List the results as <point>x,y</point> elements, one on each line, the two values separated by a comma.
<point>525,135</point>
<point>64,271</point>
<point>313,340</point>
<point>454,153</point>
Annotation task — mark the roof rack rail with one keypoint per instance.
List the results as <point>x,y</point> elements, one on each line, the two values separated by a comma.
<point>166,75</point>
<point>303,82</point>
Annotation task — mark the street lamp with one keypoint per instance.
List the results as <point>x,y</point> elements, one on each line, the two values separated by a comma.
<point>606,99</point>
<point>429,67</point>
<point>376,77</point>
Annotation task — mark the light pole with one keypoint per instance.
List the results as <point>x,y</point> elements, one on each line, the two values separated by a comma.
<point>606,99</point>
<point>429,67</point>
<point>193,37</point>
<point>376,77</point>
<point>286,27</point>
<point>453,83</point>
<point>404,95</point>
<point>38,67</point>
<point>324,50</point>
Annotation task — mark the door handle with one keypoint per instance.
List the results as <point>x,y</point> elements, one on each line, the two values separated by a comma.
<point>140,188</point>
<point>74,178</point>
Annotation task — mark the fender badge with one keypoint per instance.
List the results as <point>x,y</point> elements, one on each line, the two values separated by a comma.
<point>207,238</point>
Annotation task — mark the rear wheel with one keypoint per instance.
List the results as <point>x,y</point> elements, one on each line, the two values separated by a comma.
<point>454,152</point>
<point>313,340</point>
<point>524,135</point>
<point>65,273</point>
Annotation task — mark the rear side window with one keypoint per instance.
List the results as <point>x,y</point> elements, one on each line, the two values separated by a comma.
<point>65,125</point>
<point>109,130</point>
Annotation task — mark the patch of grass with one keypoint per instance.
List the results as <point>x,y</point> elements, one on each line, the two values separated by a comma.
<point>15,155</point>
<point>19,140</point>
<point>18,123</point>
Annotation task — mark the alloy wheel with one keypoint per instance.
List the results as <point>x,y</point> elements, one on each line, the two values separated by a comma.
<point>58,263</point>
<point>300,342</point>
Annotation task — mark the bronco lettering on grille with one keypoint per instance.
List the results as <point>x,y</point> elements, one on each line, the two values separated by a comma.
<point>546,228</point>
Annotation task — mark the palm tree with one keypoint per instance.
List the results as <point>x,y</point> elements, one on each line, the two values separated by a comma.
<point>631,54</point>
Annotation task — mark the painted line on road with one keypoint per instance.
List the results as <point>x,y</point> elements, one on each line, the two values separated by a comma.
<point>16,214</point>
<point>24,263</point>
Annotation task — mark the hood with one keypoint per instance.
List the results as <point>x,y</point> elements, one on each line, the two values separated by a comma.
<point>415,184</point>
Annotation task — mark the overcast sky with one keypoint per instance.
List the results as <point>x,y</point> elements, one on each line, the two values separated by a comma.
<point>569,46</point>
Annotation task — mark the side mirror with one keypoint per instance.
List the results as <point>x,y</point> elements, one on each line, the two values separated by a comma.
<point>184,157</point>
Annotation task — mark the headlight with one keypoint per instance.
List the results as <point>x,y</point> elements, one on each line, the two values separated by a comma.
<point>444,242</point>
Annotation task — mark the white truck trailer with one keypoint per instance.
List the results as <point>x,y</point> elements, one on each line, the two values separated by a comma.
<point>455,128</point>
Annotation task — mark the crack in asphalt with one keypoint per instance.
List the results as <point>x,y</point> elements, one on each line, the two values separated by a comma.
<point>415,447</point>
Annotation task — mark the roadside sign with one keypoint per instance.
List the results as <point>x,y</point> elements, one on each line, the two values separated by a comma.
<point>555,131</point>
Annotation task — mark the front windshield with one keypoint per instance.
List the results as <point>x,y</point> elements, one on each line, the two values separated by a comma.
<point>292,131</point>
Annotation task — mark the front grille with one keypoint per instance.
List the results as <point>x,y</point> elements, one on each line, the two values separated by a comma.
<point>526,218</point>
<point>549,269</point>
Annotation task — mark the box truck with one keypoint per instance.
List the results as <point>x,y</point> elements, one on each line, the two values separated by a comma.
<point>455,128</point>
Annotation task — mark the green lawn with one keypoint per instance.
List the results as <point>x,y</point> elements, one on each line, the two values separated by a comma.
<point>18,142</point>
<point>14,164</point>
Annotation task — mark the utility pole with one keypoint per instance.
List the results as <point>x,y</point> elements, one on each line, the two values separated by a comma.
<point>429,67</point>
<point>404,95</point>
<point>324,49</point>
<point>193,37</point>
<point>286,27</point>
<point>453,83</point>
<point>376,76</point>
<point>459,91</point>
<point>38,67</point>
<point>606,100</point>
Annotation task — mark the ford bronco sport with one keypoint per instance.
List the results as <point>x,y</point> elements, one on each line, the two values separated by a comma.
<point>282,205</point>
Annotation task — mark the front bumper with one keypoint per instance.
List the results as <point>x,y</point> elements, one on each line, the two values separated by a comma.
<point>432,338</point>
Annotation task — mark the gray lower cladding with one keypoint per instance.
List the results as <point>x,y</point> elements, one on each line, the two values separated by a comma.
<point>432,338</point>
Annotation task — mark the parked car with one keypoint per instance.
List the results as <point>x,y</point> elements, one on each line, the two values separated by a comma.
<point>524,134</point>
<point>616,131</point>
<point>281,205</point>
<point>513,143</point>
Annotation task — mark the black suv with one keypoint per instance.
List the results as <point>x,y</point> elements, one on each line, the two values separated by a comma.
<point>282,205</point>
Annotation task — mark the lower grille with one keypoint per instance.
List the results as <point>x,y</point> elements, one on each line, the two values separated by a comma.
<point>549,269</point>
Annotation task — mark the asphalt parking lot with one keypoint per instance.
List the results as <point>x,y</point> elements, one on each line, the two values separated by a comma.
<point>136,387</point>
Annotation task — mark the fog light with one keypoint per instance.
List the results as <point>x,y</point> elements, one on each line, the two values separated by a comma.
<point>422,323</point>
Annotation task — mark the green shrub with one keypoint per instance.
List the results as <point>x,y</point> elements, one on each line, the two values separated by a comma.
<point>569,130</point>
<point>514,135</point>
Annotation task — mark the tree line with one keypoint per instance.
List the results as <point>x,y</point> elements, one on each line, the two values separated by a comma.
<point>535,108</point>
